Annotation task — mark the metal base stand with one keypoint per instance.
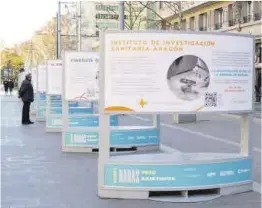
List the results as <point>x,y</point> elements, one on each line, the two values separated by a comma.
<point>184,118</point>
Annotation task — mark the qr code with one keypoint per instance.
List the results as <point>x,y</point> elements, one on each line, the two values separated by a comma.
<point>211,99</point>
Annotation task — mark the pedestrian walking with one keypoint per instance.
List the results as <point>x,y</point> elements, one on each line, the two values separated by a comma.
<point>10,86</point>
<point>26,93</point>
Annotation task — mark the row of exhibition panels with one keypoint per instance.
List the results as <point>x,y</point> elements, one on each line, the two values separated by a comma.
<point>79,126</point>
<point>69,92</point>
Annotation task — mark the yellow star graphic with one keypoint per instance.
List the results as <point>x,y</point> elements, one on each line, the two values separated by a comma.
<point>142,103</point>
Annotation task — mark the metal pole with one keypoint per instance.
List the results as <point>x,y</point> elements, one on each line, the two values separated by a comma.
<point>122,15</point>
<point>78,4</point>
<point>59,31</point>
<point>31,56</point>
<point>57,35</point>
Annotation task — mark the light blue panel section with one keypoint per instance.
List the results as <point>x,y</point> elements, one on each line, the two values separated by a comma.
<point>42,95</point>
<point>41,112</point>
<point>32,106</point>
<point>55,98</point>
<point>137,137</point>
<point>72,110</point>
<point>56,121</point>
<point>59,105</point>
<point>195,175</point>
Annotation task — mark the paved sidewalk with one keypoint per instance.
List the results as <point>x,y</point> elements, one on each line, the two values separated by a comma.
<point>35,173</point>
<point>257,111</point>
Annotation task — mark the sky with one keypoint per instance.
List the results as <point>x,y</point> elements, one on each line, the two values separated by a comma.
<point>19,19</point>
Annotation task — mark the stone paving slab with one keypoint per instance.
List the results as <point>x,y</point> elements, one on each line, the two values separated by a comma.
<point>35,173</point>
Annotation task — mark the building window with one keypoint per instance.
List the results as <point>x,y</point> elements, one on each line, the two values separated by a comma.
<point>183,24</point>
<point>203,22</point>
<point>176,26</point>
<point>258,52</point>
<point>218,18</point>
<point>192,23</point>
<point>231,21</point>
<point>246,12</point>
<point>257,10</point>
<point>161,5</point>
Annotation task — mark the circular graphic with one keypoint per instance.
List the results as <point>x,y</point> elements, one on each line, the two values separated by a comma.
<point>188,77</point>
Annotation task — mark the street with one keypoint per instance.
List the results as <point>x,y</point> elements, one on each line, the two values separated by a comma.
<point>35,173</point>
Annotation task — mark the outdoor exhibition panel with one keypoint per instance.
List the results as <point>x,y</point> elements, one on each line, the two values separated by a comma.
<point>41,93</point>
<point>169,72</point>
<point>34,83</point>
<point>54,100</point>
<point>80,83</point>
<point>53,91</point>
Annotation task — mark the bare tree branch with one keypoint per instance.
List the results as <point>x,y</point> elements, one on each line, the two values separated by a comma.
<point>138,15</point>
<point>163,20</point>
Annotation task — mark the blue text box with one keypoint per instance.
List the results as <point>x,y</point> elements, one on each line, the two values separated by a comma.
<point>137,137</point>
<point>59,105</point>
<point>92,121</point>
<point>55,98</point>
<point>72,110</point>
<point>41,112</point>
<point>42,95</point>
<point>190,175</point>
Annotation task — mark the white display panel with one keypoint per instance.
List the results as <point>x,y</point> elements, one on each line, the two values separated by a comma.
<point>80,70</point>
<point>41,78</point>
<point>34,79</point>
<point>54,77</point>
<point>177,72</point>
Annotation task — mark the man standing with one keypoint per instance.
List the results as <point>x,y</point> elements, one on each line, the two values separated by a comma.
<point>26,92</point>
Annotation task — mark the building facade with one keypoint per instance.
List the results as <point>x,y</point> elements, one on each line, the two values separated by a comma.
<point>220,16</point>
<point>98,15</point>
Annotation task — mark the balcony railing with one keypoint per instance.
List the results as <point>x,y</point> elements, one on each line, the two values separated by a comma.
<point>257,16</point>
<point>247,19</point>
<point>218,26</point>
<point>202,28</point>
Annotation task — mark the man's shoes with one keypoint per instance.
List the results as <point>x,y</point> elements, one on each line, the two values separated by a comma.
<point>27,123</point>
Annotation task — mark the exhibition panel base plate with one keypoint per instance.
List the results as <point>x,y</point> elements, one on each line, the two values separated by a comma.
<point>183,196</point>
<point>176,177</point>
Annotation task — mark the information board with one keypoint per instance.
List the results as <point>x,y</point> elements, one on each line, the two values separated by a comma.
<point>54,77</point>
<point>185,175</point>
<point>80,70</point>
<point>41,78</point>
<point>177,72</point>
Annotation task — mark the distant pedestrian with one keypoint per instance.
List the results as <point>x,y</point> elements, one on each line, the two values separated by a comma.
<point>6,86</point>
<point>26,93</point>
<point>10,86</point>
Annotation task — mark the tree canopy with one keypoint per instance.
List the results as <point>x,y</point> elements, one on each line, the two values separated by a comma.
<point>10,59</point>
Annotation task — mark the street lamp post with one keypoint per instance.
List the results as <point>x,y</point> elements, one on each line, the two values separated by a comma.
<point>59,31</point>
